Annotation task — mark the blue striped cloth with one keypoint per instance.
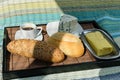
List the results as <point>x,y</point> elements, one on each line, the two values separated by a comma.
<point>105,12</point>
<point>105,77</point>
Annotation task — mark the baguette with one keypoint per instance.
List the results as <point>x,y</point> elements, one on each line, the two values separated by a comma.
<point>68,43</point>
<point>36,49</point>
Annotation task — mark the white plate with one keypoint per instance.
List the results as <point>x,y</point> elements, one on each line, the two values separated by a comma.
<point>18,35</point>
<point>52,27</point>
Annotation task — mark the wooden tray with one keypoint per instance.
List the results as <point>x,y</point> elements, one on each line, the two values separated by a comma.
<point>15,66</point>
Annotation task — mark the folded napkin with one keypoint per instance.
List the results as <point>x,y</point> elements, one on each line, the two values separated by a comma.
<point>69,23</point>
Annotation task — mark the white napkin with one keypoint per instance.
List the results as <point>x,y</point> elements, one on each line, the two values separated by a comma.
<point>70,24</point>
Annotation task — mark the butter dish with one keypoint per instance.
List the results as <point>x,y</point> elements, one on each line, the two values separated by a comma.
<point>114,54</point>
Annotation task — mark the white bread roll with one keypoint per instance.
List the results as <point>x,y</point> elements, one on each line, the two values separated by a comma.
<point>68,43</point>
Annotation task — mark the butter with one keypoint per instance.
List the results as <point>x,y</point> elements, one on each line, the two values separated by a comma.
<point>99,44</point>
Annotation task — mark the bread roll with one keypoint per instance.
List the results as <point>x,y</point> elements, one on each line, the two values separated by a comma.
<point>35,49</point>
<point>68,43</point>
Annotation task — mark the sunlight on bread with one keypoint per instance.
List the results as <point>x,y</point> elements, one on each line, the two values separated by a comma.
<point>68,43</point>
